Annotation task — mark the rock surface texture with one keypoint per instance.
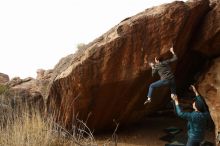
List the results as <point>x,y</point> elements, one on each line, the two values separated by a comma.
<point>3,78</point>
<point>28,92</point>
<point>209,88</point>
<point>106,81</point>
<point>21,92</point>
<point>207,40</point>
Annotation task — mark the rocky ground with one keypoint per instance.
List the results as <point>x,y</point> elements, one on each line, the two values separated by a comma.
<point>151,131</point>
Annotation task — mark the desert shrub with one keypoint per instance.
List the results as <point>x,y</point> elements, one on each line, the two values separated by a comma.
<point>81,46</point>
<point>3,88</point>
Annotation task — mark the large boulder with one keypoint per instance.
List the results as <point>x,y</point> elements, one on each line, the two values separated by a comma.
<point>207,43</point>
<point>207,40</point>
<point>21,92</point>
<point>107,80</point>
<point>209,88</point>
<point>28,92</point>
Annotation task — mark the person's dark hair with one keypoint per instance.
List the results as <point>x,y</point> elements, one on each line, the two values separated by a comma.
<point>199,105</point>
<point>159,58</point>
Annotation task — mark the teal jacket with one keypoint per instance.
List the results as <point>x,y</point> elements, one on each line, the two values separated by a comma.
<point>197,121</point>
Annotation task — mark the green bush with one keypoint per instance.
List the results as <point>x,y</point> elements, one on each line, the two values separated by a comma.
<point>3,89</point>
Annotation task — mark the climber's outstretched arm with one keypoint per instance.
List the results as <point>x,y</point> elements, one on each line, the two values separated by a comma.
<point>174,58</point>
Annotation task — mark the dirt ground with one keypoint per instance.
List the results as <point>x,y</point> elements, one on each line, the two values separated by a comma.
<point>149,131</point>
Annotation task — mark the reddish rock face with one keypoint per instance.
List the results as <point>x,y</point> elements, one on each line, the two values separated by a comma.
<point>107,80</point>
<point>209,88</point>
<point>207,40</point>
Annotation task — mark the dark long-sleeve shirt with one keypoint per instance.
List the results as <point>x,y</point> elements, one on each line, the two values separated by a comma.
<point>197,121</point>
<point>164,69</point>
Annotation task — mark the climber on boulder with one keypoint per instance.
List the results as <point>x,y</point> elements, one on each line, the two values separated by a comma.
<point>166,76</point>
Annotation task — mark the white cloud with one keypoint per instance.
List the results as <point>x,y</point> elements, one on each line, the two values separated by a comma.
<point>37,33</point>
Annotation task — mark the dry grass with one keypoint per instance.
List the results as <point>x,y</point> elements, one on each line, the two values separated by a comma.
<point>24,130</point>
<point>29,128</point>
